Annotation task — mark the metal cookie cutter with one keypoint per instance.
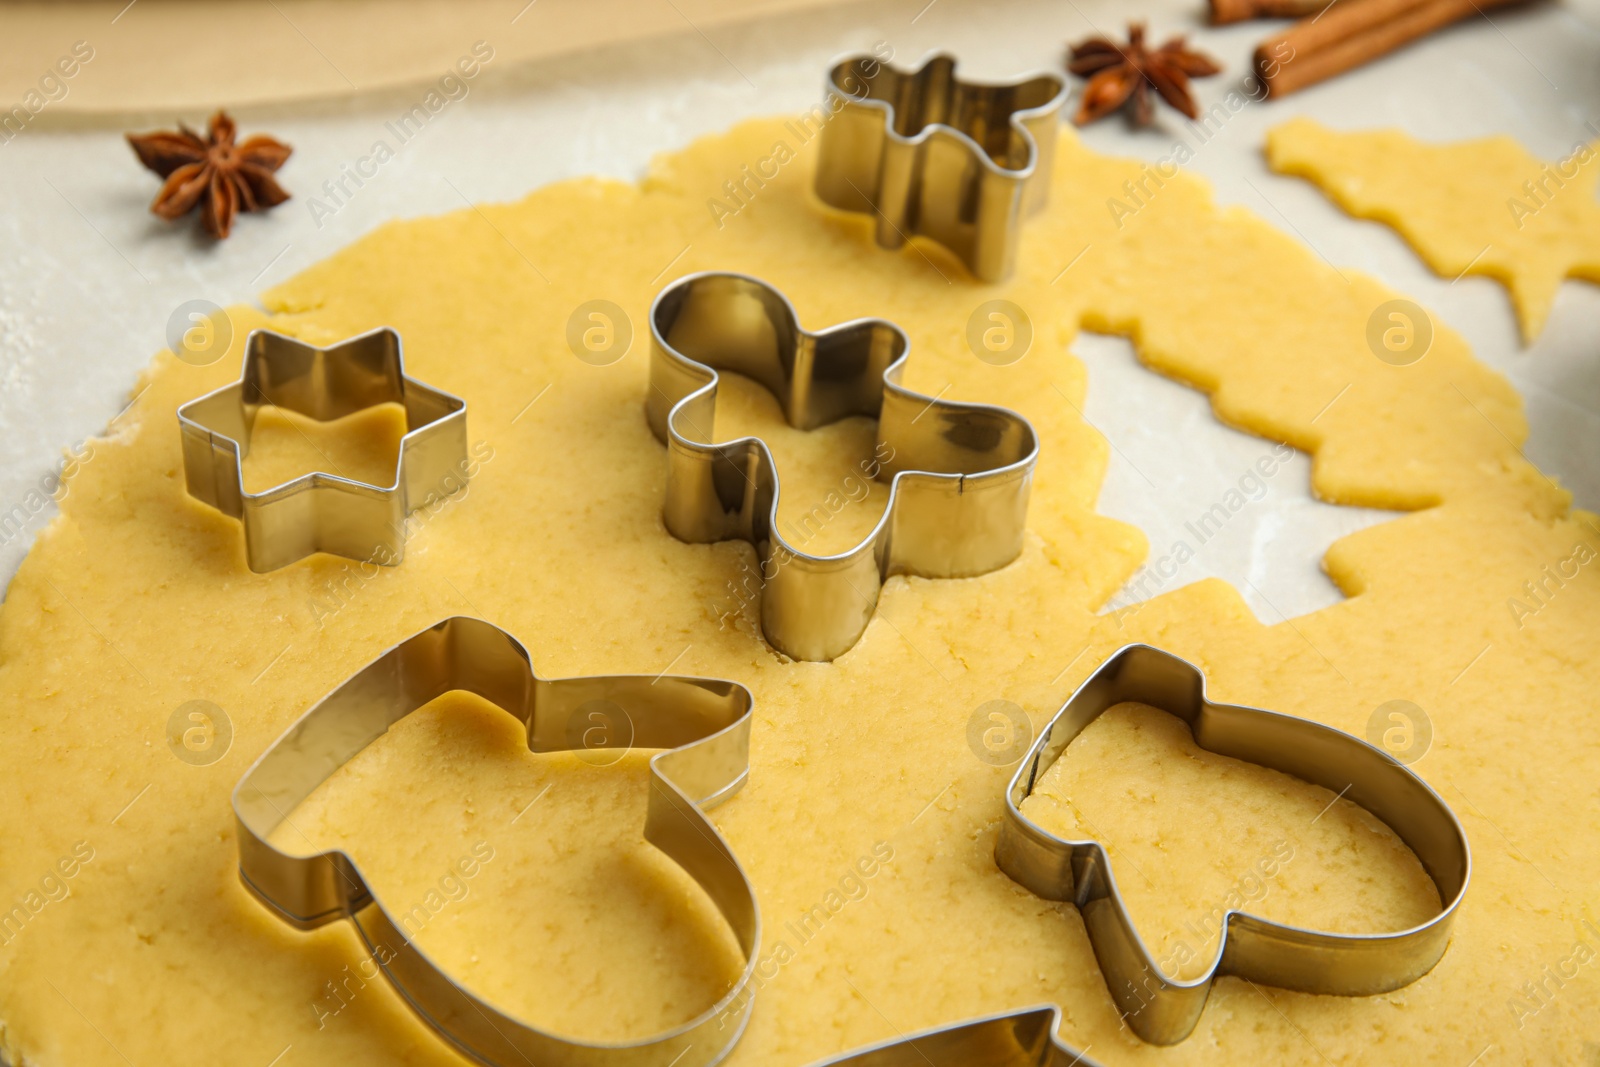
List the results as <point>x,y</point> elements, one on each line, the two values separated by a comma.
<point>960,472</point>
<point>1163,1010</point>
<point>1023,1038</point>
<point>1159,1009</point>
<point>929,153</point>
<point>322,512</point>
<point>703,723</point>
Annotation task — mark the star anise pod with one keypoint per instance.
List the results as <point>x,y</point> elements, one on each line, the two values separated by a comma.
<point>222,177</point>
<point>1116,72</point>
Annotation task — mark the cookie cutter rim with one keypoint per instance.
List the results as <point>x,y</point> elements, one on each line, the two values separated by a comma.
<point>465,653</point>
<point>1032,1034</point>
<point>1279,954</point>
<point>1005,196</point>
<point>366,520</point>
<point>816,607</point>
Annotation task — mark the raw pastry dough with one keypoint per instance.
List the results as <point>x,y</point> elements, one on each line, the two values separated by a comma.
<point>1473,207</point>
<point>137,600</point>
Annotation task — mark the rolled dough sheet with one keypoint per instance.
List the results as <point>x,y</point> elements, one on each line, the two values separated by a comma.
<point>1486,206</point>
<point>137,601</point>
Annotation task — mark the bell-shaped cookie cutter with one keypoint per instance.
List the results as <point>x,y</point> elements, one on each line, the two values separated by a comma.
<point>322,512</point>
<point>1164,1010</point>
<point>704,724</point>
<point>926,152</point>
<point>960,473</point>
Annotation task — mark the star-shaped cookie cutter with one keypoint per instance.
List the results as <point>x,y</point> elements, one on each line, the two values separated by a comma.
<point>1164,1010</point>
<point>961,473</point>
<point>704,726</point>
<point>322,512</point>
<point>929,153</point>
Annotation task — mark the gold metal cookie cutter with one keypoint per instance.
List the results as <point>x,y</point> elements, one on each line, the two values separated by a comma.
<point>1159,1009</point>
<point>926,152</point>
<point>1164,1010</point>
<point>704,726</point>
<point>1023,1038</point>
<point>960,473</point>
<point>322,512</point>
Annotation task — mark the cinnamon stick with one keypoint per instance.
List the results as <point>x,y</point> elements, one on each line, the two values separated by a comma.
<point>1349,33</point>
<point>1225,11</point>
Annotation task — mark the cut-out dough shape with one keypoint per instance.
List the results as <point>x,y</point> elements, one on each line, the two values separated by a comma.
<point>704,724</point>
<point>961,473</point>
<point>1473,207</point>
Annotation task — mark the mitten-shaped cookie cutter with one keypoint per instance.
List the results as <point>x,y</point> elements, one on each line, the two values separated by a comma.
<point>704,724</point>
<point>960,473</point>
<point>322,512</point>
<point>1164,1010</point>
<point>928,153</point>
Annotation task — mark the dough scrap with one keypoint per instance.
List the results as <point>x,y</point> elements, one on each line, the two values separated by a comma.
<point>137,599</point>
<point>1484,206</point>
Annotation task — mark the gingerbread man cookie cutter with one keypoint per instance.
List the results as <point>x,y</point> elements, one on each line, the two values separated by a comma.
<point>926,152</point>
<point>704,726</point>
<point>322,512</point>
<point>1164,1010</point>
<point>960,473</point>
